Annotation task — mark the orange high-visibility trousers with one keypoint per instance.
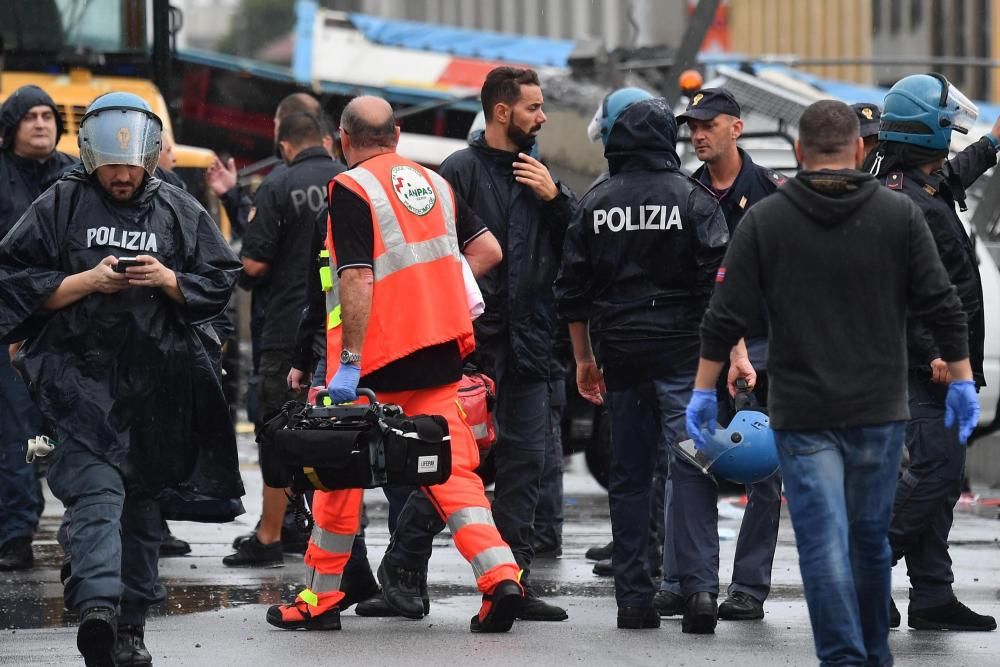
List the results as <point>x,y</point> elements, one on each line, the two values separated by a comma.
<point>461,501</point>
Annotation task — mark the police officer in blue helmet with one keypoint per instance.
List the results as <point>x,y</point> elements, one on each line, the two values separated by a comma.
<point>106,277</point>
<point>921,112</point>
<point>638,267</point>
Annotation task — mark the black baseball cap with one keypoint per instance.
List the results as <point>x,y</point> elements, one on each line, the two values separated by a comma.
<point>869,116</point>
<point>708,103</point>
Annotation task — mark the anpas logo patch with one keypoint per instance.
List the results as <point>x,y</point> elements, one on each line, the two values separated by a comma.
<point>413,190</point>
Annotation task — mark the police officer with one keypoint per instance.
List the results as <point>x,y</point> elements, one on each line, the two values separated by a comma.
<point>30,128</point>
<point>918,117</point>
<point>638,267</point>
<point>278,248</point>
<point>869,115</point>
<point>713,116</point>
<point>103,276</point>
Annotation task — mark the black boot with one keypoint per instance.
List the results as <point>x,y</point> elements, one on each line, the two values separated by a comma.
<point>600,553</point>
<point>668,604</point>
<point>499,608</point>
<point>170,545</point>
<point>700,614</point>
<point>130,649</point>
<point>533,608</point>
<point>16,555</point>
<point>95,638</point>
<point>894,617</point>
<point>638,618</point>
<point>740,606</point>
<point>603,568</point>
<point>401,589</point>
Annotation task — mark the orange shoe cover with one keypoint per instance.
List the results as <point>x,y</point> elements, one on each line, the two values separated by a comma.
<point>499,608</point>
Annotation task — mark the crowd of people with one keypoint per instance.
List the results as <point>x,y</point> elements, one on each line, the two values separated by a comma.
<point>670,288</point>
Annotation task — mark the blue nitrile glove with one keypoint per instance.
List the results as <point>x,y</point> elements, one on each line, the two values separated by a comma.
<point>344,385</point>
<point>962,401</point>
<point>701,411</point>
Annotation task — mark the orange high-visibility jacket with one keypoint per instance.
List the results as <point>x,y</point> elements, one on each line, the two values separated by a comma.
<point>418,298</point>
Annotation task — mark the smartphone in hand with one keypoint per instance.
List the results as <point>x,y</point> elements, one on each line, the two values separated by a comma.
<point>126,262</point>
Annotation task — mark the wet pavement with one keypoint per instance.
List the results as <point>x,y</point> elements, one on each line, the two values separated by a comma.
<point>215,615</point>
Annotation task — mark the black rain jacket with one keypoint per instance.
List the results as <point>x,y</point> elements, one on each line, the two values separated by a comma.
<point>520,306</point>
<point>642,252</point>
<point>128,375</point>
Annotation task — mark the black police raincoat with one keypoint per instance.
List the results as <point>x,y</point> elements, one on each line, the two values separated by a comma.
<point>520,307</point>
<point>128,375</point>
<point>23,179</point>
<point>642,252</point>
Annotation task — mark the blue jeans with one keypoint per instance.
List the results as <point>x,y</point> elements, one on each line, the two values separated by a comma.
<point>840,485</point>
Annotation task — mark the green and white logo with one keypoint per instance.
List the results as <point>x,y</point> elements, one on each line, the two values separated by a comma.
<point>413,189</point>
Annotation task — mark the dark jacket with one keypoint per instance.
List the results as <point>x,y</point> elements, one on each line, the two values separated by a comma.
<point>935,195</point>
<point>290,208</point>
<point>520,307</point>
<point>839,262</point>
<point>127,375</point>
<point>642,252</point>
<point>752,184</point>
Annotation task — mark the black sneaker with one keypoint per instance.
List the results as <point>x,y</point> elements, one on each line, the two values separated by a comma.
<point>638,618</point>
<point>533,608</point>
<point>358,586</point>
<point>401,589</point>
<point>254,554</point>
<point>951,616</point>
<point>603,568</point>
<point>547,550</point>
<point>499,608</point>
<point>700,614</point>
<point>375,607</point>
<point>600,553</point>
<point>740,606</point>
<point>130,648</point>
<point>668,604</point>
<point>95,638</point>
<point>16,555</point>
<point>894,617</point>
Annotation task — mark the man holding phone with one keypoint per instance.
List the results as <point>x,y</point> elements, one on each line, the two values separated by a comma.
<point>111,278</point>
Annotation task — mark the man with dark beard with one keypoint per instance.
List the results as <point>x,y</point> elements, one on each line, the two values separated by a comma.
<point>528,212</point>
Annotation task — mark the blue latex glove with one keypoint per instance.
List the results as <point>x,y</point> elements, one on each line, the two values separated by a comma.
<point>344,385</point>
<point>963,402</point>
<point>702,410</point>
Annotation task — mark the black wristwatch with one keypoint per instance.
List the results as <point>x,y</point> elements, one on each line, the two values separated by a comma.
<point>349,358</point>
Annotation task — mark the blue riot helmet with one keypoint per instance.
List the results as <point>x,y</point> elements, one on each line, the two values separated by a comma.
<point>744,452</point>
<point>923,109</point>
<point>120,128</point>
<point>611,107</point>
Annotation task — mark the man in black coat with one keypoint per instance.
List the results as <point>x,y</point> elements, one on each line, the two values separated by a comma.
<point>110,278</point>
<point>638,267</point>
<point>528,211</point>
<point>30,128</point>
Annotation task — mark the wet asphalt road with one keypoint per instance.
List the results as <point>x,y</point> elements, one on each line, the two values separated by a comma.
<point>215,615</point>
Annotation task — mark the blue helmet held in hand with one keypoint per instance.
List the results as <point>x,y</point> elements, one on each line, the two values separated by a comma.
<point>923,109</point>
<point>745,451</point>
<point>120,128</point>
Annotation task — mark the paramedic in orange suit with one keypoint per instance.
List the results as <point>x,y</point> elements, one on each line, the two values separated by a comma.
<point>402,329</point>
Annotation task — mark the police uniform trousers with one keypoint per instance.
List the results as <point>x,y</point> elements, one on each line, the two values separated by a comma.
<point>641,416</point>
<point>549,511</point>
<point>20,491</point>
<point>113,535</point>
<point>460,501</point>
<point>698,519</point>
<point>926,495</point>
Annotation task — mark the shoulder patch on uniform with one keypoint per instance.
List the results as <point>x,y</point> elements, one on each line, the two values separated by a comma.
<point>412,189</point>
<point>894,181</point>
<point>777,177</point>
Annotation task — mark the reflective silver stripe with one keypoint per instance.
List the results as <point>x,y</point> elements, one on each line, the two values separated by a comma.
<point>468,516</point>
<point>398,253</point>
<point>392,233</point>
<point>480,430</point>
<point>401,257</point>
<point>487,559</point>
<point>322,583</point>
<point>333,543</point>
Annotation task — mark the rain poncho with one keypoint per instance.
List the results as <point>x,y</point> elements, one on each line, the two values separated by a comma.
<point>128,375</point>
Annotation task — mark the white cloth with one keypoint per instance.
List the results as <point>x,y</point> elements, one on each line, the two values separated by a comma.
<point>473,296</point>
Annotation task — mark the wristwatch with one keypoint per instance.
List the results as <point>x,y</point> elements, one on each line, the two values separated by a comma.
<point>348,357</point>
